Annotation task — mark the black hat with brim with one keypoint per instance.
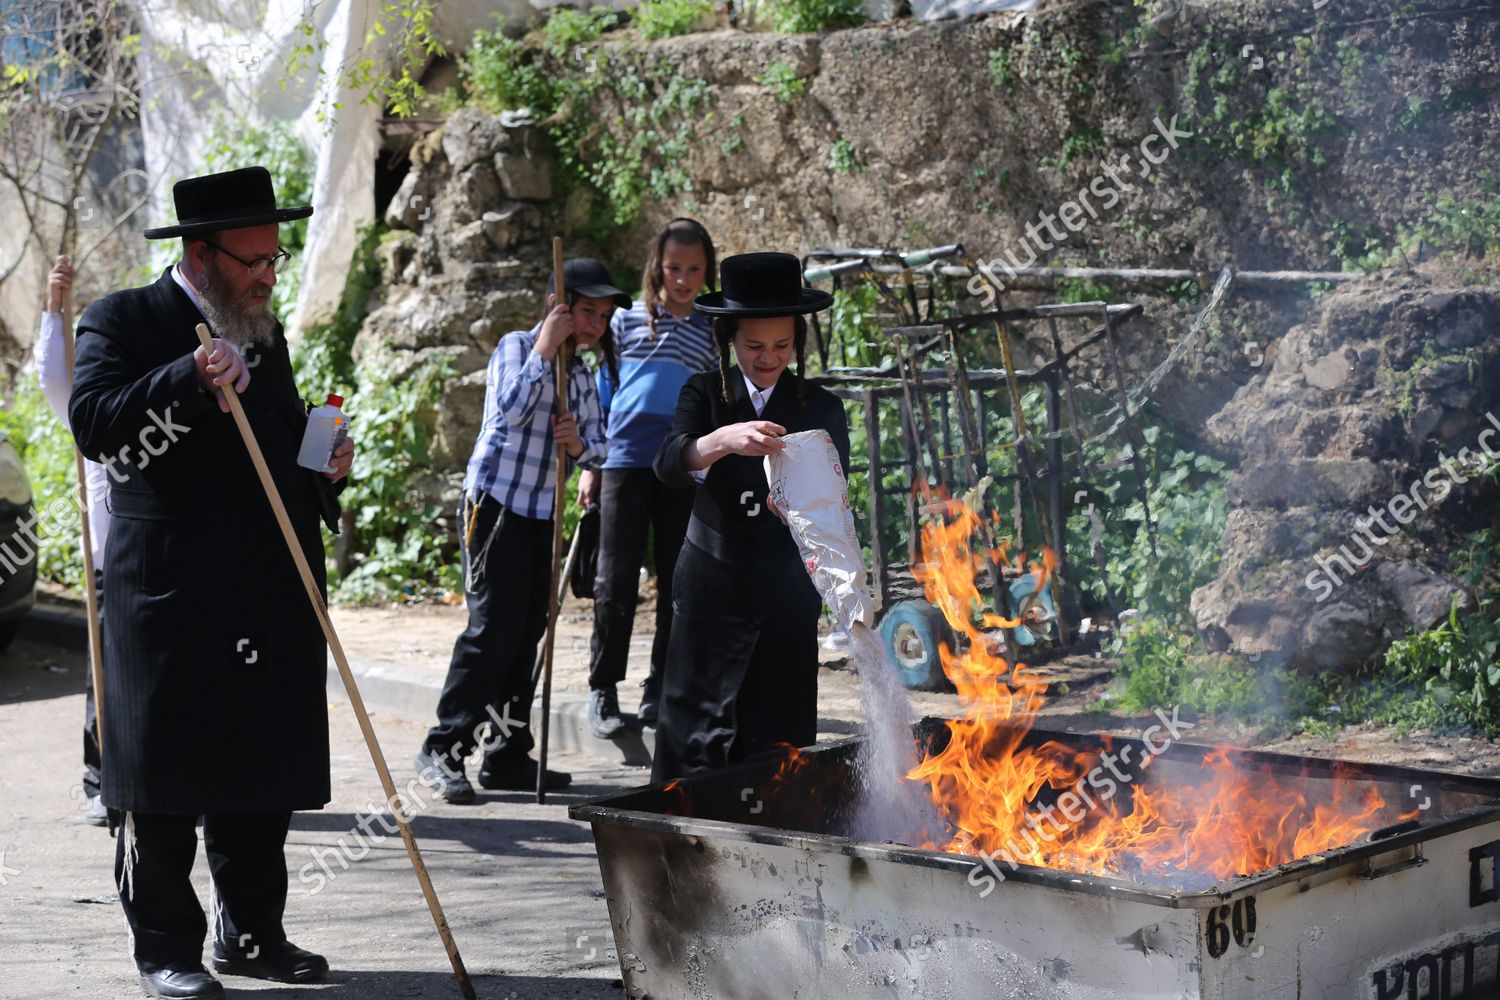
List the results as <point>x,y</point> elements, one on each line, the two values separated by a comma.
<point>762,284</point>
<point>235,199</point>
<point>589,278</point>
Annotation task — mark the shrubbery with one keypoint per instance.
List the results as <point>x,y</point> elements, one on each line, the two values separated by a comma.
<point>798,16</point>
<point>46,450</point>
<point>665,18</point>
<point>547,73</point>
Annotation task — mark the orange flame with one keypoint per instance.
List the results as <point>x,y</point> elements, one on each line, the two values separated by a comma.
<point>1090,811</point>
<point>681,804</point>
<point>796,761</point>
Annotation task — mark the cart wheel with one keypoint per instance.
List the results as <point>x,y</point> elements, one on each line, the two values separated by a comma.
<point>912,631</point>
<point>1034,607</point>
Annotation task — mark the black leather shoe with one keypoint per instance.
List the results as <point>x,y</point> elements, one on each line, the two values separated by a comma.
<point>645,716</point>
<point>177,981</point>
<point>280,963</point>
<point>517,773</point>
<point>447,780</point>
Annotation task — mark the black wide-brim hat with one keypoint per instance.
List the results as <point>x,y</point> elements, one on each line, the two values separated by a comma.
<point>762,284</point>
<point>235,199</point>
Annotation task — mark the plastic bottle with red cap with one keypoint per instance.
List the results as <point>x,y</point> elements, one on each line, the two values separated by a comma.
<point>327,428</point>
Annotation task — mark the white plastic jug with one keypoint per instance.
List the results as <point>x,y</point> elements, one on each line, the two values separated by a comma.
<point>327,428</point>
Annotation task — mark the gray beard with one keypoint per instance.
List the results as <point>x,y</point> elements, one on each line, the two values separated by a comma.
<point>239,324</point>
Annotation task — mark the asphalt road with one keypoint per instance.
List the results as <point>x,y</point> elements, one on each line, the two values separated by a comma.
<point>519,882</point>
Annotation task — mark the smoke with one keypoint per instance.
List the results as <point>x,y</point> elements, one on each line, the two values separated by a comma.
<point>890,806</point>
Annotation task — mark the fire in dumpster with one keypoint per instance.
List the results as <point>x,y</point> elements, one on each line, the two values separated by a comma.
<point>1103,813</point>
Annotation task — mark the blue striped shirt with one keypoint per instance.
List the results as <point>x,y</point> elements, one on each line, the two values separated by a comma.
<point>513,457</point>
<point>640,409</point>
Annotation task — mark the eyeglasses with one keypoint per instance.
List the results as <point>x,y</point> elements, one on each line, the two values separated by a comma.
<point>258,265</point>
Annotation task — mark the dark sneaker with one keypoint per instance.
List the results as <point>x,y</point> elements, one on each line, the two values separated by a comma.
<point>447,780</point>
<point>176,982</point>
<point>650,695</point>
<point>96,814</point>
<point>517,773</point>
<point>279,963</point>
<point>604,713</point>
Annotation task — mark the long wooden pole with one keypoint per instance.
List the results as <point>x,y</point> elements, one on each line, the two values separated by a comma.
<point>350,687</point>
<point>560,361</point>
<point>90,587</point>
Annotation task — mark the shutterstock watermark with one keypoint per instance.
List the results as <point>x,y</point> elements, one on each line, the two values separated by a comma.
<point>20,549</point>
<point>155,438</point>
<point>1108,187</point>
<point>1438,481</point>
<point>62,514</point>
<point>364,838</point>
<point>1103,781</point>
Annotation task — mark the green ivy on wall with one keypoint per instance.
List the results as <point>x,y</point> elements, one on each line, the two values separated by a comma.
<point>552,73</point>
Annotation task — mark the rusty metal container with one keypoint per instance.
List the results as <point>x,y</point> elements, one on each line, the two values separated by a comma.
<point>742,885</point>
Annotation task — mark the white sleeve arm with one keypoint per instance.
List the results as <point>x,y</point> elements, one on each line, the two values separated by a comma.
<point>97,478</point>
<point>52,364</point>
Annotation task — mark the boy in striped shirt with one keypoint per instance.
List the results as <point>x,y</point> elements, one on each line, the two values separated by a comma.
<point>661,341</point>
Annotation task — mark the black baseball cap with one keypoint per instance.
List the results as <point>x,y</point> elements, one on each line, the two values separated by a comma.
<point>589,278</point>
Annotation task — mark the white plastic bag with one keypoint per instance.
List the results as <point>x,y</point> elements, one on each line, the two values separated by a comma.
<point>808,484</point>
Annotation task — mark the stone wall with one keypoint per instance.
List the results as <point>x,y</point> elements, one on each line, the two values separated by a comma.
<point>468,262</point>
<point>1304,122</point>
<point>1358,473</point>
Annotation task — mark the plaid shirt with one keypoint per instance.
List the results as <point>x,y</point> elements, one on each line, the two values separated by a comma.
<point>513,456</point>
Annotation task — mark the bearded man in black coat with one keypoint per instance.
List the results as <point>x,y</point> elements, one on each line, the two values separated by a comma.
<point>213,700</point>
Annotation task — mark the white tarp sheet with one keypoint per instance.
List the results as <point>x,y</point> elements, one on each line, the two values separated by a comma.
<point>933,10</point>
<point>199,58</point>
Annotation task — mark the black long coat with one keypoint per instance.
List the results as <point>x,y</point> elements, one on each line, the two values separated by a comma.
<point>214,663</point>
<point>742,660</point>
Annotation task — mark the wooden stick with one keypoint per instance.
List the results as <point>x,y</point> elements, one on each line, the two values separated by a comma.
<point>90,588</point>
<point>560,485</point>
<point>350,687</point>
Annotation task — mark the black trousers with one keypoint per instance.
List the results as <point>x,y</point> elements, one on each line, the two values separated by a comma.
<point>153,870</point>
<point>631,501</point>
<point>91,780</point>
<point>507,566</point>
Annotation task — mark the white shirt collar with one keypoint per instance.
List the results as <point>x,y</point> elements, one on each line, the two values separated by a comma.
<point>182,281</point>
<point>758,397</point>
